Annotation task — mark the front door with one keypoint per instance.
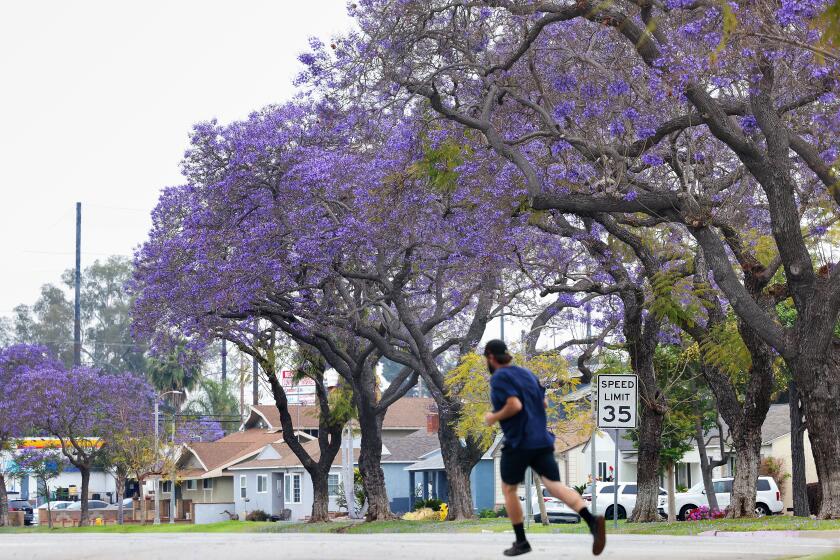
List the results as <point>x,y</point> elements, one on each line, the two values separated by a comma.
<point>278,503</point>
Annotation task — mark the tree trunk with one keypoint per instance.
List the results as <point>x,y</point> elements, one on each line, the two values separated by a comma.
<point>459,460</point>
<point>144,512</point>
<point>320,495</point>
<point>672,500</point>
<point>824,433</point>
<point>4,502</point>
<point>370,457</point>
<point>120,480</point>
<point>705,468</point>
<point>650,434</point>
<point>748,459</point>
<point>799,483</point>
<point>84,517</point>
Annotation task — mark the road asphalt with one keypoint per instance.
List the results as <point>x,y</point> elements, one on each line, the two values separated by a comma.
<point>288,546</point>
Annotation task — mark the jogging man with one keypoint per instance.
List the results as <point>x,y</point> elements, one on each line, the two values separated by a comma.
<point>519,406</point>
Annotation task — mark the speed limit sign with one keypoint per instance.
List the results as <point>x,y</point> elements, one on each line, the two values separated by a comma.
<point>618,397</point>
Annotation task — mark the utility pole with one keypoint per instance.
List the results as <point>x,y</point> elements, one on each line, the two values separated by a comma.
<point>157,457</point>
<point>224,360</point>
<point>255,382</point>
<point>502,325</point>
<point>172,499</point>
<point>77,307</point>
<point>594,437</point>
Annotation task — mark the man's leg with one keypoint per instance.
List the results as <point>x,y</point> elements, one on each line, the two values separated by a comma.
<point>513,472</point>
<point>562,492</point>
<point>546,466</point>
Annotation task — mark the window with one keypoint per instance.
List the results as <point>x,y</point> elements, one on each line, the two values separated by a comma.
<point>763,485</point>
<point>293,488</point>
<point>262,484</point>
<point>191,485</point>
<point>607,490</point>
<point>630,489</point>
<point>723,487</point>
<point>602,470</point>
<point>166,486</point>
<point>243,486</point>
<point>207,484</point>
<point>333,482</point>
<point>683,475</point>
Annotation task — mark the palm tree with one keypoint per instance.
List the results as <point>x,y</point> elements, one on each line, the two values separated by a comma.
<point>178,371</point>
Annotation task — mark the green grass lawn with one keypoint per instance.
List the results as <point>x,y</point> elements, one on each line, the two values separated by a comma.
<point>776,523</point>
<point>221,527</point>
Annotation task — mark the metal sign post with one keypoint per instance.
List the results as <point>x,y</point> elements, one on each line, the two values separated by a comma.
<point>615,483</point>
<point>618,397</point>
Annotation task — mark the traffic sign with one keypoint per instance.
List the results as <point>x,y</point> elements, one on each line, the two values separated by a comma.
<point>618,397</point>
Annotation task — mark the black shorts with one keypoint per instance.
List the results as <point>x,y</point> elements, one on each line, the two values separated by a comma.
<point>515,462</point>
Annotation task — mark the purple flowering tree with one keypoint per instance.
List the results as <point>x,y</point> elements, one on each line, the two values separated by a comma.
<point>45,465</point>
<point>83,408</point>
<point>686,113</point>
<point>17,413</point>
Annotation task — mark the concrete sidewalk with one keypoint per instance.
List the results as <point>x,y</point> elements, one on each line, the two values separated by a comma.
<point>255,546</point>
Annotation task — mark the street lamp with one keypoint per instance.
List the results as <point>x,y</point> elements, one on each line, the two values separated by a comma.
<point>157,452</point>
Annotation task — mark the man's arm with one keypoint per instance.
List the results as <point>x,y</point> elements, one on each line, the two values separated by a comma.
<point>512,407</point>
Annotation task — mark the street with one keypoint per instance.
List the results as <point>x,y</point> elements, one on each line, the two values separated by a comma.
<point>229,546</point>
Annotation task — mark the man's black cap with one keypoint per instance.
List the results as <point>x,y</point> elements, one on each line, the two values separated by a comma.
<point>495,348</point>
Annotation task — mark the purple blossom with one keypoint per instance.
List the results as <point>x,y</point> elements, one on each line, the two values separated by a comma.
<point>653,159</point>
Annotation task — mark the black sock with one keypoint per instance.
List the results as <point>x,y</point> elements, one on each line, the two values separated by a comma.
<point>519,529</point>
<point>586,516</point>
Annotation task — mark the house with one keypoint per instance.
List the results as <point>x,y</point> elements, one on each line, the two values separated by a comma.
<point>254,469</point>
<point>427,478</point>
<point>275,480</point>
<point>399,453</point>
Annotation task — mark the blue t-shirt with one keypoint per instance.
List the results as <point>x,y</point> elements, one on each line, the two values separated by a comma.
<point>528,429</point>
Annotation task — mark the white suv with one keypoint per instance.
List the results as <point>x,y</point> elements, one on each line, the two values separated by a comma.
<point>627,492</point>
<point>768,498</point>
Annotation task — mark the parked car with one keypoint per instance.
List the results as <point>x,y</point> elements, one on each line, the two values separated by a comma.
<point>25,507</point>
<point>93,505</point>
<point>627,492</point>
<point>128,504</point>
<point>768,499</point>
<point>555,510</point>
<point>54,506</point>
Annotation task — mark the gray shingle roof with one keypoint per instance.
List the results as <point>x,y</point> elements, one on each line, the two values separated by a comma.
<point>408,449</point>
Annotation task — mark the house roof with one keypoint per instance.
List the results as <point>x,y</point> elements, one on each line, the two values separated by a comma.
<point>410,448</point>
<point>405,413</point>
<point>288,458</point>
<point>777,423</point>
<point>565,441</point>
<point>230,449</point>
<point>433,463</point>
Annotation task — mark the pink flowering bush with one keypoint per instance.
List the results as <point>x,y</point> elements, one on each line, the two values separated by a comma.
<point>703,513</point>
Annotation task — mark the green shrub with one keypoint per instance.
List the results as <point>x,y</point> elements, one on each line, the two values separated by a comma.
<point>501,512</point>
<point>257,515</point>
<point>487,514</point>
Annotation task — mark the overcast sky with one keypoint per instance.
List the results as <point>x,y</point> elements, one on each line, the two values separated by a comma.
<point>97,99</point>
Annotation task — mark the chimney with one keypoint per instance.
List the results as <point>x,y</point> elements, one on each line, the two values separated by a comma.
<point>432,419</point>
